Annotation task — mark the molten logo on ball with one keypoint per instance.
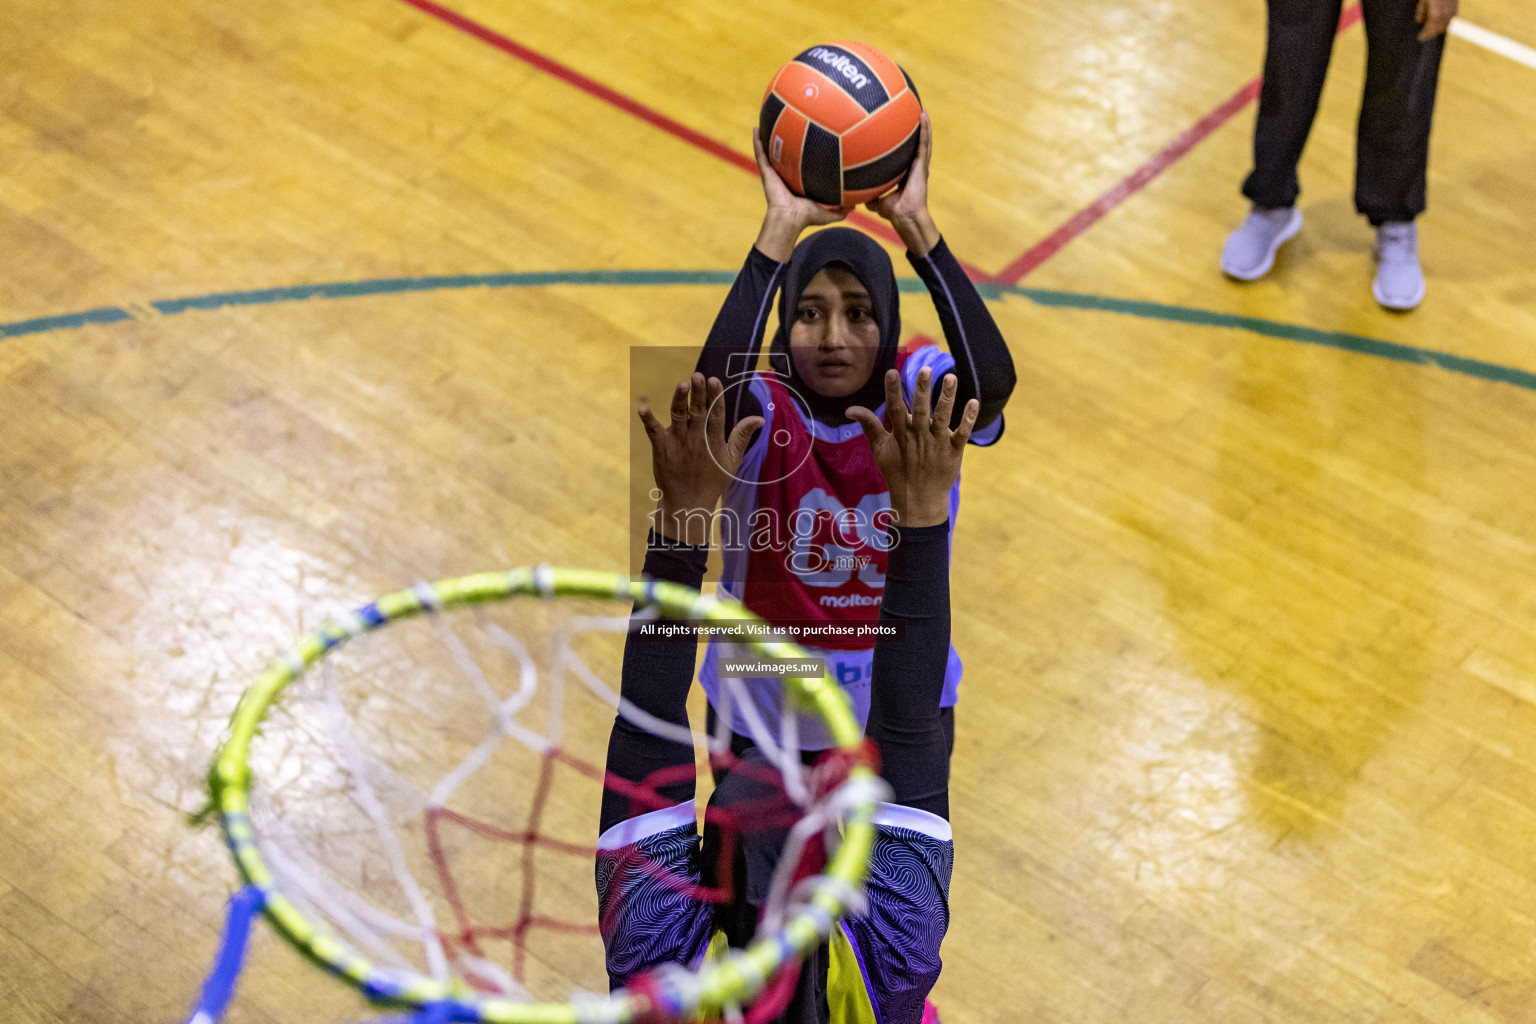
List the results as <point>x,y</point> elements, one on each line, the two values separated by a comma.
<point>841,123</point>
<point>840,62</point>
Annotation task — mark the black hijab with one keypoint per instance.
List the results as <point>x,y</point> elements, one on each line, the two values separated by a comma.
<point>864,258</point>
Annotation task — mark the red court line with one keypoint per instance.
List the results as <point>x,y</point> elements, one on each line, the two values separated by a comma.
<point>1128,186</point>
<point>649,115</point>
<point>1134,182</point>
<point>590,86</point>
<point>1011,274</point>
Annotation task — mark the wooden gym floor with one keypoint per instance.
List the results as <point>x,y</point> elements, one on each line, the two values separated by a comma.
<point>1248,728</point>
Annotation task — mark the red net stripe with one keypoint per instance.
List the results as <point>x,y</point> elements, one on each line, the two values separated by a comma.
<point>773,811</point>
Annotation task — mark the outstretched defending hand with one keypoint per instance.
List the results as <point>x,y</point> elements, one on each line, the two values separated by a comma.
<point>907,207</point>
<point>919,456</point>
<point>692,459</point>
<point>788,214</point>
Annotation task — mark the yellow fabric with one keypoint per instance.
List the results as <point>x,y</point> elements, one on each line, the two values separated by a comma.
<point>847,996</point>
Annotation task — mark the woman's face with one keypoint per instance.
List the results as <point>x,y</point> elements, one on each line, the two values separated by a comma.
<point>834,337</point>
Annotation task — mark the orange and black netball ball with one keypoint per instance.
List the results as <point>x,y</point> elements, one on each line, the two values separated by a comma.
<point>840,123</point>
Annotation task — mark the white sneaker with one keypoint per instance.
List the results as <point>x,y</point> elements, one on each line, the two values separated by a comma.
<point>1250,250</point>
<point>1399,282</point>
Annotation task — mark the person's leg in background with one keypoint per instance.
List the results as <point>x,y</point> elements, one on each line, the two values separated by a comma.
<point>1300,43</point>
<point>1392,149</point>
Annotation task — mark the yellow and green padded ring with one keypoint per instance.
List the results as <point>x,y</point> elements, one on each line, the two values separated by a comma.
<point>734,980</point>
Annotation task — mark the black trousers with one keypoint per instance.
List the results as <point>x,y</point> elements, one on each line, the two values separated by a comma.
<point>1392,147</point>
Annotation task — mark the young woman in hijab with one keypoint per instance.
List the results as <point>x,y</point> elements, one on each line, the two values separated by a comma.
<point>806,513</point>
<point>879,965</point>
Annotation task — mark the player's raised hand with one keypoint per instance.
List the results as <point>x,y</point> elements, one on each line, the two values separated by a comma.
<point>788,214</point>
<point>907,207</point>
<point>919,456</point>
<point>692,459</point>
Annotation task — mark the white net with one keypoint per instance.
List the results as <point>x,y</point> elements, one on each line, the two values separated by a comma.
<point>429,794</point>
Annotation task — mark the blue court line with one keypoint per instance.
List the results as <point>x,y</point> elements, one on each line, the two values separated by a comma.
<point>659,278</point>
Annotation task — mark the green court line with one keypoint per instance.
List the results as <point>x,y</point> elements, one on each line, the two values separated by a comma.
<point>102,315</point>
<point>1287,332</point>
<point>662,278</point>
<point>396,285</point>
